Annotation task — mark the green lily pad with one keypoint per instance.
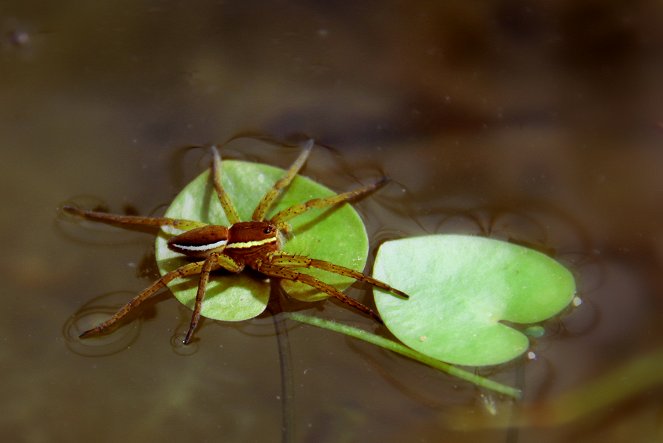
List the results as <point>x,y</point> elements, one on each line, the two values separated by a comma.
<point>461,290</point>
<point>337,235</point>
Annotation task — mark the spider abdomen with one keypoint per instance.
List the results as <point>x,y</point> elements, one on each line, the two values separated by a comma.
<point>200,242</point>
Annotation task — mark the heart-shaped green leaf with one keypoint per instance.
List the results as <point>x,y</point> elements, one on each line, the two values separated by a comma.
<point>461,288</point>
<point>336,235</point>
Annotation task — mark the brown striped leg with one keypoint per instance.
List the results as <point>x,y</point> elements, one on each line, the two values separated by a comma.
<point>301,261</point>
<point>226,204</point>
<point>211,263</point>
<point>172,224</point>
<point>283,182</point>
<point>282,217</point>
<point>290,274</point>
<point>183,271</point>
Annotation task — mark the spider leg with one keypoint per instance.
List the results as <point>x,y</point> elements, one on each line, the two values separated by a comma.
<point>282,217</point>
<point>214,261</point>
<point>183,271</point>
<point>170,225</point>
<point>290,174</point>
<point>228,207</point>
<point>301,261</point>
<point>290,274</point>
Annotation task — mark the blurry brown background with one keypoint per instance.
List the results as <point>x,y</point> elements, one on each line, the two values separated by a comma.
<point>540,122</point>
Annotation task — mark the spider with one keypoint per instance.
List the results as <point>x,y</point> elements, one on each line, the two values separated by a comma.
<point>256,243</point>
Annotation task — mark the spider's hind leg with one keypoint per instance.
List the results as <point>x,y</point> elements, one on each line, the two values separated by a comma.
<point>183,271</point>
<point>171,225</point>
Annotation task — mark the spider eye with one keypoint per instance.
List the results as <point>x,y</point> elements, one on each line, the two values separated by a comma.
<point>267,230</point>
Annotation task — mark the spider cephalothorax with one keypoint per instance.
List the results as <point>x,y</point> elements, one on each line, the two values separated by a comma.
<point>255,243</point>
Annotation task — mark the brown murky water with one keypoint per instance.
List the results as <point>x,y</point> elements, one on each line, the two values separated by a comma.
<point>539,124</point>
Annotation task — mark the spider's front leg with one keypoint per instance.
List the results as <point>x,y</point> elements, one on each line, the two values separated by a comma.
<point>289,175</point>
<point>301,261</point>
<point>281,218</point>
<point>286,273</point>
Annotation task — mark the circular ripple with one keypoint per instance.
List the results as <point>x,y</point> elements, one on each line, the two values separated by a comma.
<point>91,314</point>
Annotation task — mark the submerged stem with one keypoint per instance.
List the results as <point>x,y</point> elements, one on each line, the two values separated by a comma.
<point>285,363</point>
<point>405,351</point>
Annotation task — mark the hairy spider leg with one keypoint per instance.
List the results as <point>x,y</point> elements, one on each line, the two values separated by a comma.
<point>183,271</point>
<point>282,183</point>
<point>300,261</point>
<point>281,218</point>
<point>285,273</point>
<point>215,261</point>
<point>173,225</point>
<point>226,204</point>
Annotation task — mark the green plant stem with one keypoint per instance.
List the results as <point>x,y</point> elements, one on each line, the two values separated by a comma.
<point>405,351</point>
